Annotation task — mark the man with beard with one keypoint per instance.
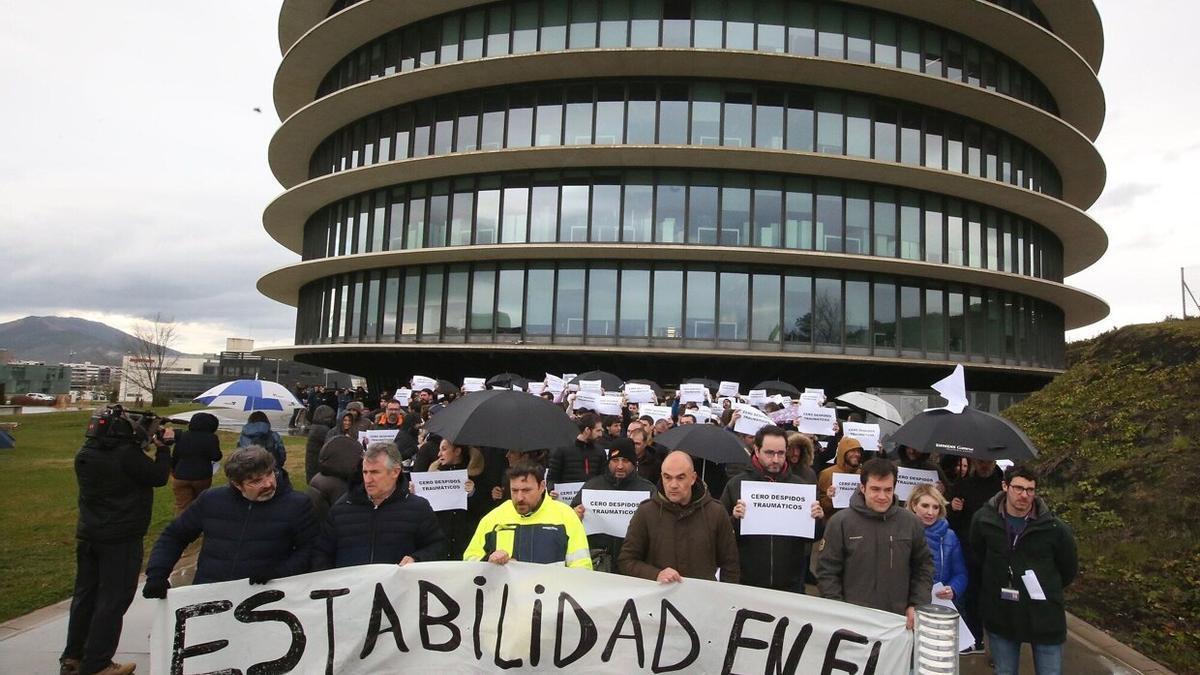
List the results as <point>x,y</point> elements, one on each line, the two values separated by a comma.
<point>621,474</point>
<point>530,527</point>
<point>768,560</point>
<point>253,528</point>
<point>578,462</point>
<point>849,460</point>
<point>680,532</point>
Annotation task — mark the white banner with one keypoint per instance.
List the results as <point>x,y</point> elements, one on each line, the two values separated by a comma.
<point>585,399</point>
<point>609,404</point>
<point>750,420</point>
<point>639,393</point>
<point>567,491</point>
<point>420,382</point>
<point>403,395</point>
<point>473,383</point>
<point>536,388</point>
<point>656,412</point>
<point>757,397</point>
<point>814,420</point>
<point>867,434</point>
<point>692,393</point>
<point>812,399</point>
<point>846,484</point>
<point>591,385</point>
<point>442,489</point>
<point>377,436</point>
<point>779,508</point>
<point>609,511</point>
<point>554,383</point>
<point>728,388</point>
<point>459,617</point>
<point>910,478</point>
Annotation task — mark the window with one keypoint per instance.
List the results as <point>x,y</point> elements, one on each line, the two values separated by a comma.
<point>827,311</point>
<point>883,334</point>
<point>668,306</point>
<point>701,305</point>
<point>539,300</point>
<point>602,302</point>
<point>797,309</point>
<point>733,307</point>
<point>670,207</point>
<point>508,305</point>
<point>483,293</point>
<point>635,302</point>
<point>765,308</point>
<point>431,317</point>
<point>639,207</point>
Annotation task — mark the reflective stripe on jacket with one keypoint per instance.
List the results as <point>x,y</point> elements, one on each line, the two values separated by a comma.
<point>551,533</point>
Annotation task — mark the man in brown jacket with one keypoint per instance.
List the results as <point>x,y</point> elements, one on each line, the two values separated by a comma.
<point>848,460</point>
<point>874,553</point>
<point>680,532</point>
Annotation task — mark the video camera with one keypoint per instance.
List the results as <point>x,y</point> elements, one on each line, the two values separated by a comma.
<point>116,423</point>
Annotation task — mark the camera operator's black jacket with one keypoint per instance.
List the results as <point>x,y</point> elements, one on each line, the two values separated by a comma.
<point>116,488</point>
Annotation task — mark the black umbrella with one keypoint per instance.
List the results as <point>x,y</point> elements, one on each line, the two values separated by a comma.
<point>778,387</point>
<point>507,380</point>
<point>654,386</point>
<point>512,420</point>
<point>608,381</point>
<point>971,433</point>
<point>711,385</point>
<point>706,441</point>
<point>446,387</point>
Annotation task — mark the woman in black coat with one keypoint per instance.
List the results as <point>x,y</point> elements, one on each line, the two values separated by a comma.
<point>322,421</point>
<point>192,459</point>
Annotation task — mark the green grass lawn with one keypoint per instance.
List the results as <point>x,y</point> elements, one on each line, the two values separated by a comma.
<point>38,507</point>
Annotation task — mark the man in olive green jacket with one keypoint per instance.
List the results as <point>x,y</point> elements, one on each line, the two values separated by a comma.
<point>874,553</point>
<point>1028,558</point>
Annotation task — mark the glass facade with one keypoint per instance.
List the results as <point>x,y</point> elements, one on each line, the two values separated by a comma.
<point>821,28</point>
<point>684,207</point>
<point>702,113</point>
<point>755,308</point>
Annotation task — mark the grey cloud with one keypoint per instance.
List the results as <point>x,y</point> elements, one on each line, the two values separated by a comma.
<point>1124,195</point>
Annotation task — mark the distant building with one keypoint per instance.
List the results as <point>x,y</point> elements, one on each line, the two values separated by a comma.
<point>21,378</point>
<point>88,375</point>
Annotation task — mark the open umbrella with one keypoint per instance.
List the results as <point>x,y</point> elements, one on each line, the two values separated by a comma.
<point>608,381</point>
<point>706,441</point>
<point>507,380</point>
<point>504,419</point>
<point>872,404</point>
<point>778,387</point>
<point>249,395</point>
<point>971,433</point>
<point>654,386</point>
<point>446,388</point>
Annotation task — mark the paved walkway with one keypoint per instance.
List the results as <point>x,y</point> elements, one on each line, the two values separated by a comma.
<point>31,644</point>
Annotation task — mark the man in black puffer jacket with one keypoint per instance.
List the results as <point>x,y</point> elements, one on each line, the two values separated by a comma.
<point>379,521</point>
<point>255,527</point>
<point>116,493</point>
<point>322,422</point>
<point>192,461</point>
<point>579,462</point>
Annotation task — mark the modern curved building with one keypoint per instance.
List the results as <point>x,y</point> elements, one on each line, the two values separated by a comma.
<point>857,193</point>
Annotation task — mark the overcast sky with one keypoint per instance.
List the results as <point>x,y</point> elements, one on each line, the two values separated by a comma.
<point>133,170</point>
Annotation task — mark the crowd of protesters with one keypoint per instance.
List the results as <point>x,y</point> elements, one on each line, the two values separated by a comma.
<point>972,535</point>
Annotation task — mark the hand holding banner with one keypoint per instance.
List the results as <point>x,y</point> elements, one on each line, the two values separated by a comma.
<point>867,434</point>
<point>757,397</point>
<point>778,508</point>
<point>608,404</point>
<point>639,393</point>
<point>692,393</point>
<point>750,420</point>
<point>728,389</point>
<point>402,396</point>
<point>444,490</point>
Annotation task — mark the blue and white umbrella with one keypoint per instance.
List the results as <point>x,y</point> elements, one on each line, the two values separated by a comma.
<point>249,395</point>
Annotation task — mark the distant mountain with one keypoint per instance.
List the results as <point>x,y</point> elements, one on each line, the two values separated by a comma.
<point>58,339</point>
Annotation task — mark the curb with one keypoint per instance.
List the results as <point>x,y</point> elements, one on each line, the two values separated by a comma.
<point>1103,643</point>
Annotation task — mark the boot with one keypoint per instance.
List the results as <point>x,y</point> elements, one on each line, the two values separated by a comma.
<point>68,666</point>
<point>114,668</point>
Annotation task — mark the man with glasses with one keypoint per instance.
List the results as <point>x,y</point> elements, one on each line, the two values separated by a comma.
<point>1028,558</point>
<point>769,560</point>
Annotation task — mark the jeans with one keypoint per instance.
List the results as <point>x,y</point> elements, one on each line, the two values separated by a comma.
<point>106,577</point>
<point>1006,656</point>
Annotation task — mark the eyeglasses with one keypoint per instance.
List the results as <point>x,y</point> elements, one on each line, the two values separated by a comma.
<point>774,453</point>
<point>1021,490</point>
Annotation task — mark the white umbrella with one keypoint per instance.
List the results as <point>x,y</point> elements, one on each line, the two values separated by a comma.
<point>249,395</point>
<point>872,404</point>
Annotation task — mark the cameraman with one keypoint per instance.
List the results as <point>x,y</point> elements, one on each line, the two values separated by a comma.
<point>116,478</point>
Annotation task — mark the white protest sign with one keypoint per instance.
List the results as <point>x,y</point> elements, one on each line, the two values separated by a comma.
<point>867,434</point>
<point>585,400</point>
<point>965,638</point>
<point>377,436</point>
<point>420,382</point>
<point>567,491</point>
<point>703,414</point>
<point>818,392</point>
<point>750,420</point>
<point>567,377</point>
<point>473,384</point>
<point>656,412</point>
<point>591,385</point>
<point>728,388</point>
<point>814,400</point>
<point>517,387</point>
<point>442,489</point>
<point>779,508</point>
<point>608,404</point>
<point>537,388</point>
<point>846,484</point>
<point>459,617</point>
<point>554,383</point>
<point>639,393</point>
<point>910,478</point>
<point>609,511</point>
<point>692,393</point>
<point>816,420</point>
<point>757,397</point>
<point>402,396</point>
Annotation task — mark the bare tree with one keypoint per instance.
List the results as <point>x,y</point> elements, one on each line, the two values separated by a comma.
<point>151,353</point>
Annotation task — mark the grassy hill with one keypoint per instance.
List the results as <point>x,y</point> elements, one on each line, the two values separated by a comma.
<point>1119,433</point>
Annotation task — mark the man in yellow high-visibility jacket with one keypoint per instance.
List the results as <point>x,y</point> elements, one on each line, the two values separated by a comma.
<point>530,527</point>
